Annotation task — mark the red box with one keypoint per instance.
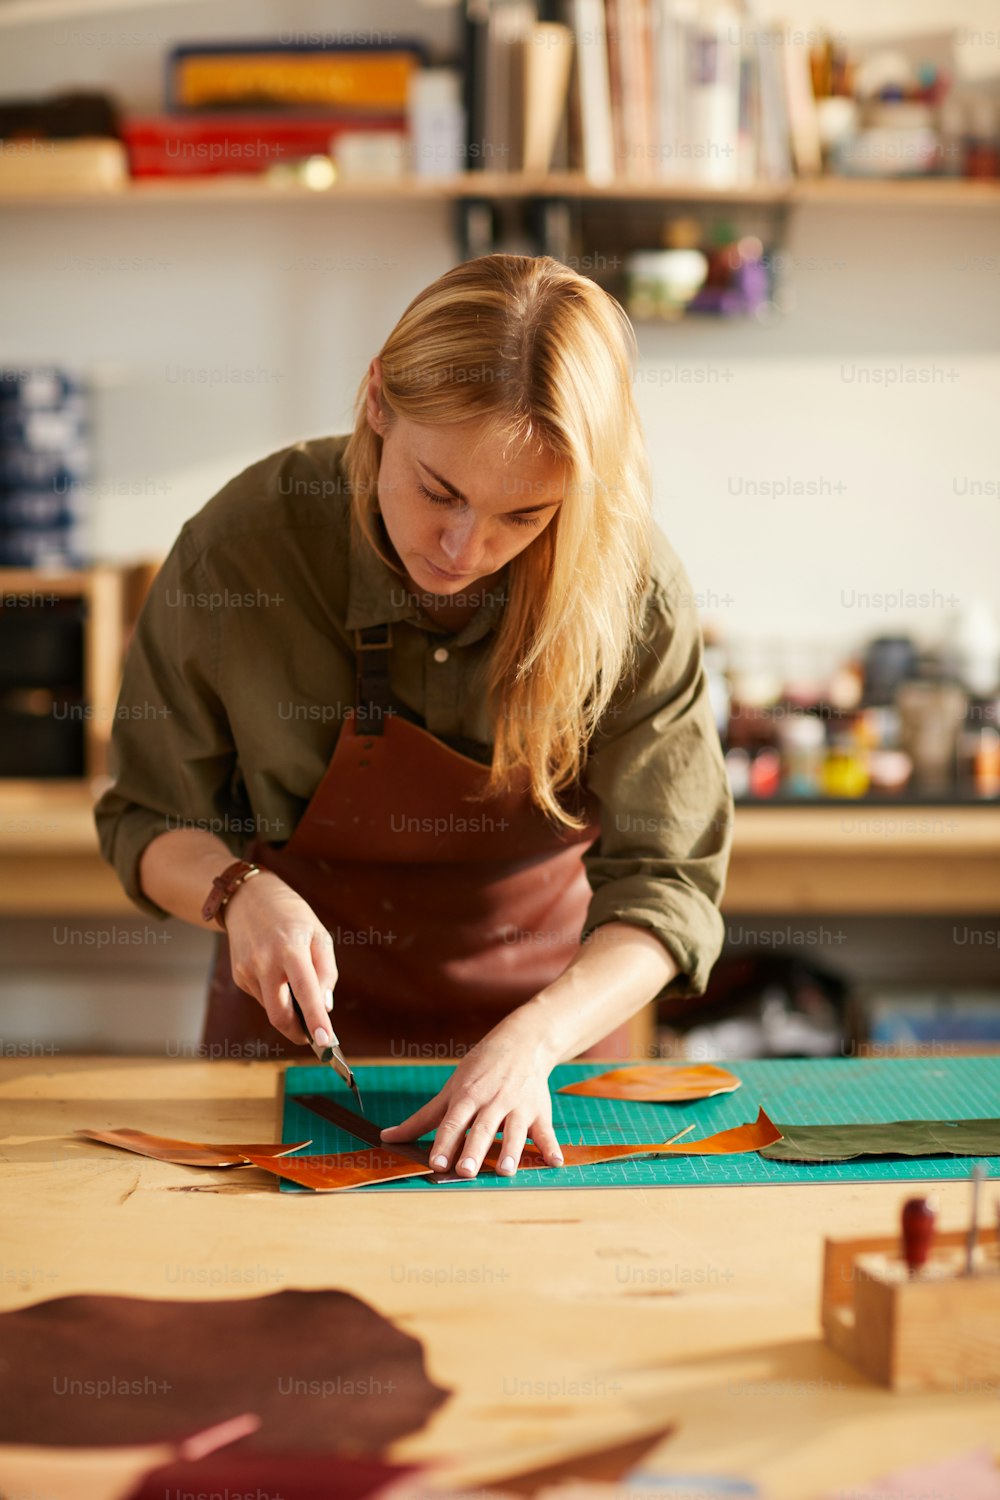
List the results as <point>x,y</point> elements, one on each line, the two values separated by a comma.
<point>201,145</point>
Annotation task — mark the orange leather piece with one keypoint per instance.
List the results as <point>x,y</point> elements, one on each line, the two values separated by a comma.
<point>344,1169</point>
<point>657,1083</point>
<point>732,1142</point>
<point>187,1153</point>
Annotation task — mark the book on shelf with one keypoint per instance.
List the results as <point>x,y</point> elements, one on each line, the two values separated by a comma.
<point>209,143</point>
<point>801,113</point>
<point>517,75</point>
<point>350,77</point>
<point>687,91</point>
<point>591,132</point>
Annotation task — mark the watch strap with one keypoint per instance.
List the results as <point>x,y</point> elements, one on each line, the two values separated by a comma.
<point>223,888</point>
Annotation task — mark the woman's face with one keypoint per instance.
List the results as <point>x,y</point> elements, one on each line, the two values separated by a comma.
<point>455,519</point>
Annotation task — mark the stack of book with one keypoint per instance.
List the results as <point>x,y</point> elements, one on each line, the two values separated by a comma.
<point>692,91</point>
<point>246,107</point>
<point>45,467</point>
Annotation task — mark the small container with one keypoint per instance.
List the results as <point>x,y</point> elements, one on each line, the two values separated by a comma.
<point>802,740</point>
<point>661,283</point>
<point>981,751</point>
<point>738,771</point>
<point>987,763</point>
<point>845,769</point>
<point>889,661</point>
<point>889,770</point>
<point>718,686</point>
<point>877,727</point>
<point>765,773</point>
<point>972,651</point>
<point>931,716</point>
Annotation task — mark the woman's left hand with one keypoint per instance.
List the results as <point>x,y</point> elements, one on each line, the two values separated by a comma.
<point>503,1083</point>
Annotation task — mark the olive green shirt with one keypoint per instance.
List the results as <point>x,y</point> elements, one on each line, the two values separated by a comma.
<point>241,674</point>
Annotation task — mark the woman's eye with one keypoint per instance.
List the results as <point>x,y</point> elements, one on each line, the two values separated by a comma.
<point>450,500</point>
<point>438,499</point>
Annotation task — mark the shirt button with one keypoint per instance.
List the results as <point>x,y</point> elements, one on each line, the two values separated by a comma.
<point>440,654</point>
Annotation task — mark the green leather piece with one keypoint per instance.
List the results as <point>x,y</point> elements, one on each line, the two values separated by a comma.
<point>892,1138</point>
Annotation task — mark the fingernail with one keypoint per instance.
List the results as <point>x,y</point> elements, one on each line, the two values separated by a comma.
<point>507,1165</point>
<point>468,1165</point>
<point>555,1161</point>
<point>328,997</point>
<point>439,1161</point>
<point>320,1035</point>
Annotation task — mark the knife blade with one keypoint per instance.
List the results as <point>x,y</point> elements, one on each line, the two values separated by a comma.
<point>329,1054</point>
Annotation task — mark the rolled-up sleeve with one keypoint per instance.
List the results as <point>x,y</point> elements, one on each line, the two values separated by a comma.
<point>666,810</point>
<point>172,755</point>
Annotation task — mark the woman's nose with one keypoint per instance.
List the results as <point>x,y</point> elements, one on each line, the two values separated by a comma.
<point>459,541</point>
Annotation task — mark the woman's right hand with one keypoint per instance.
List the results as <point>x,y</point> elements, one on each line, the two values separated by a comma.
<point>276,940</point>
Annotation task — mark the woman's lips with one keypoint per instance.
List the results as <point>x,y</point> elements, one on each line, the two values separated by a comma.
<point>452,577</point>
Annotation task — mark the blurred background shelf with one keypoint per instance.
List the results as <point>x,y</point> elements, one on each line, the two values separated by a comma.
<point>852,858</point>
<point>923,193</point>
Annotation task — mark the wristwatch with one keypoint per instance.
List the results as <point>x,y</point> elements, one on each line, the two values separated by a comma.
<point>223,888</point>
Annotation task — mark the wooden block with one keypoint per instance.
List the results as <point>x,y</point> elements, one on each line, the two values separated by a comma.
<point>939,1330</point>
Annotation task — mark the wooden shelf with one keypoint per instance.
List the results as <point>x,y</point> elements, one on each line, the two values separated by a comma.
<point>921,192</point>
<point>857,859</point>
<point>853,859</point>
<point>241,189</point>
<point>864,829</point>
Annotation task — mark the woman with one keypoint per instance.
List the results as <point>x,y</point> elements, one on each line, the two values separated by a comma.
<point>438,685</point>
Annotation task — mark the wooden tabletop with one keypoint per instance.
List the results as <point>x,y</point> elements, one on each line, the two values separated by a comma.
<point>558,1318</point>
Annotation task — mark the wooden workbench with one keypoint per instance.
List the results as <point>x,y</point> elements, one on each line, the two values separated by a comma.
<point>628,1307</point>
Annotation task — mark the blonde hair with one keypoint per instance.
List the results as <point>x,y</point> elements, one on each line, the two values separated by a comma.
<point>544,358</point>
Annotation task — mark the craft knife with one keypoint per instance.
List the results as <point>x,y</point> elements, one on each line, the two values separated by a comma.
<point>329,1054</point>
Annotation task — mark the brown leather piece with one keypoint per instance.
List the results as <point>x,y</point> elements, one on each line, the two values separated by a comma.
<point>657,1083</point>
<point>187,1153</point>
<point>607,1464</point>
<point>323,1370</point>
<point>344,1169</point>
<point>733,1142</point>
<point>736,1140</point>
<point>293,1476</point>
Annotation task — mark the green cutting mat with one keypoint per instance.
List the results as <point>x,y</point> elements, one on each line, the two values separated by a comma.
<point>828,1091</point>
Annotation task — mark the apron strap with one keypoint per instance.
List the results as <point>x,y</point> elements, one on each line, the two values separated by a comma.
<point>373,700</point>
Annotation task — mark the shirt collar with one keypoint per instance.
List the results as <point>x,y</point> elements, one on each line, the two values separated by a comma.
<point>376,595</point>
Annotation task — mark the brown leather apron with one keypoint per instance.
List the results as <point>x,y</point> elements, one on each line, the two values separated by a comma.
<point>446,913</point>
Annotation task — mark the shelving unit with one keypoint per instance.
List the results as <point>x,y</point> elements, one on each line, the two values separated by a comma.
<point>850,858</point>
